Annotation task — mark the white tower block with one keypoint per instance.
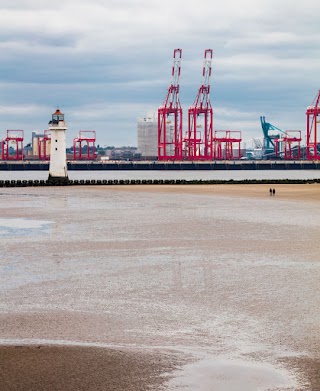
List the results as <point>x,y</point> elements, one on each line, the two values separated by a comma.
<point>58,159</point>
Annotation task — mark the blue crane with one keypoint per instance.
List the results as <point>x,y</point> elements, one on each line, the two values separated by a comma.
<point>268,142</point>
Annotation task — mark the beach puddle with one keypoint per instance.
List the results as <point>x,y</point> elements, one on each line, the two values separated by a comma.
<point>231,375</point>
<point>19,226</point>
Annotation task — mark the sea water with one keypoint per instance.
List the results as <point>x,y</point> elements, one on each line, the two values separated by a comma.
<point>180,174</point>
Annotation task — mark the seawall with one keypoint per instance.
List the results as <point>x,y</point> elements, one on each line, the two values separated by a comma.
<point>127,182</point>
<point>149,165</point>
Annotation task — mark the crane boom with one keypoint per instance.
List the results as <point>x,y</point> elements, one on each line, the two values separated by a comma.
<point>198,141</point>
<point>172,97</point>
<point>202,99</point>
<point>170,116</point>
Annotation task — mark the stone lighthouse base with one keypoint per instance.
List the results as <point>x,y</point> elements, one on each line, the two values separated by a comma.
<point>58,180</point>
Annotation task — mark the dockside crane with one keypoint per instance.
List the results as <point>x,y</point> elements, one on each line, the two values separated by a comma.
<point>86,139</point>
<point>14,142</point>
<point>313,139</point>
<point>198,142</point>
<point>268,139</point>
<point>170,117</point>
<point>285,144</point>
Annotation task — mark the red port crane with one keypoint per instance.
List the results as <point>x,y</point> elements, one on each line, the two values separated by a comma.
<point>226,144</point>
<point>43,146</point>
<point>12,145</point>
<point>290,144</point>
<point>89,138</point>
<point>170,117</point>
<point>198,143</point>
<point>313,142</point>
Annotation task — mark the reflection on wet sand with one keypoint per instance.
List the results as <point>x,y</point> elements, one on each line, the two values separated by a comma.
<point>232,374</point>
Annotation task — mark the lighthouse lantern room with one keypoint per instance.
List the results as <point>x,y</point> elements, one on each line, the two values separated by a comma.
<point>58,159</point>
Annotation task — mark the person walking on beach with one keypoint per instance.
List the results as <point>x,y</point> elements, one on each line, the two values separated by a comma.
<point>274,191</point>
<point>270,191</point>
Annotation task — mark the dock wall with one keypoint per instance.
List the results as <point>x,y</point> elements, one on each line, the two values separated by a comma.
<point>170,166</point>
<point>127,182</point>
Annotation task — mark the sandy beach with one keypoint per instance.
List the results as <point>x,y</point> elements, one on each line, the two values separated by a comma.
<point>297,192</point>
<point>160,287</point>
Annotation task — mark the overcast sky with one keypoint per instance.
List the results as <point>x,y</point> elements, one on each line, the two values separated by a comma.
<point>107,62</point>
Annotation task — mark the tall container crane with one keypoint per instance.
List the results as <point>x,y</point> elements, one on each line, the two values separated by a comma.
<point>313,139</point>
<point>170,117</point>
<point>268,138</point>
<point>198,143</point>
<point>285,144</point>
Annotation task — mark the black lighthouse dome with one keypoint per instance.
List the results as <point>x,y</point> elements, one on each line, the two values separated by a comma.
<point>56,117</point>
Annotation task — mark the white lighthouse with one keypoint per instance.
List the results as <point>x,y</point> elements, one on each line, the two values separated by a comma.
<point>58,159</point>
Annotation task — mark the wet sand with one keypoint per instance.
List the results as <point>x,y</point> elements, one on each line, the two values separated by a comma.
<point>72,368</point>
<point>40,367</point>
<point>224,271</point>
<point>296,192</point>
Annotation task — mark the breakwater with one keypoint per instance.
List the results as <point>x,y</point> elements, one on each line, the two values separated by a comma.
<point>163,166</point>
<point>126,182</point>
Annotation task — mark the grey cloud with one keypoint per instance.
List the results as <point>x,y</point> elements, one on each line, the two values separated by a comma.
<point>118,55</point>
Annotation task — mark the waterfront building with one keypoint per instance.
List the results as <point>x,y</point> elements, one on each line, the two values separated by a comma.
<point>147,133</point>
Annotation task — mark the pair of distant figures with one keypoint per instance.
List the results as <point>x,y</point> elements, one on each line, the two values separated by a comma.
<point>272,192</point>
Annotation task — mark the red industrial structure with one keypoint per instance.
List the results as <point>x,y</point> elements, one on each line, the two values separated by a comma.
<point>43,146</point>
<point>198,143</point>
<point>170,117</point>
<point>89,138</point>
<point>291,145</point>
<point>13,140</point>
<point>313,139</point>
<point>226,144</point>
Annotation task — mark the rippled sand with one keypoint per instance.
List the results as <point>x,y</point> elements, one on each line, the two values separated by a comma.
<point>224,276</point>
